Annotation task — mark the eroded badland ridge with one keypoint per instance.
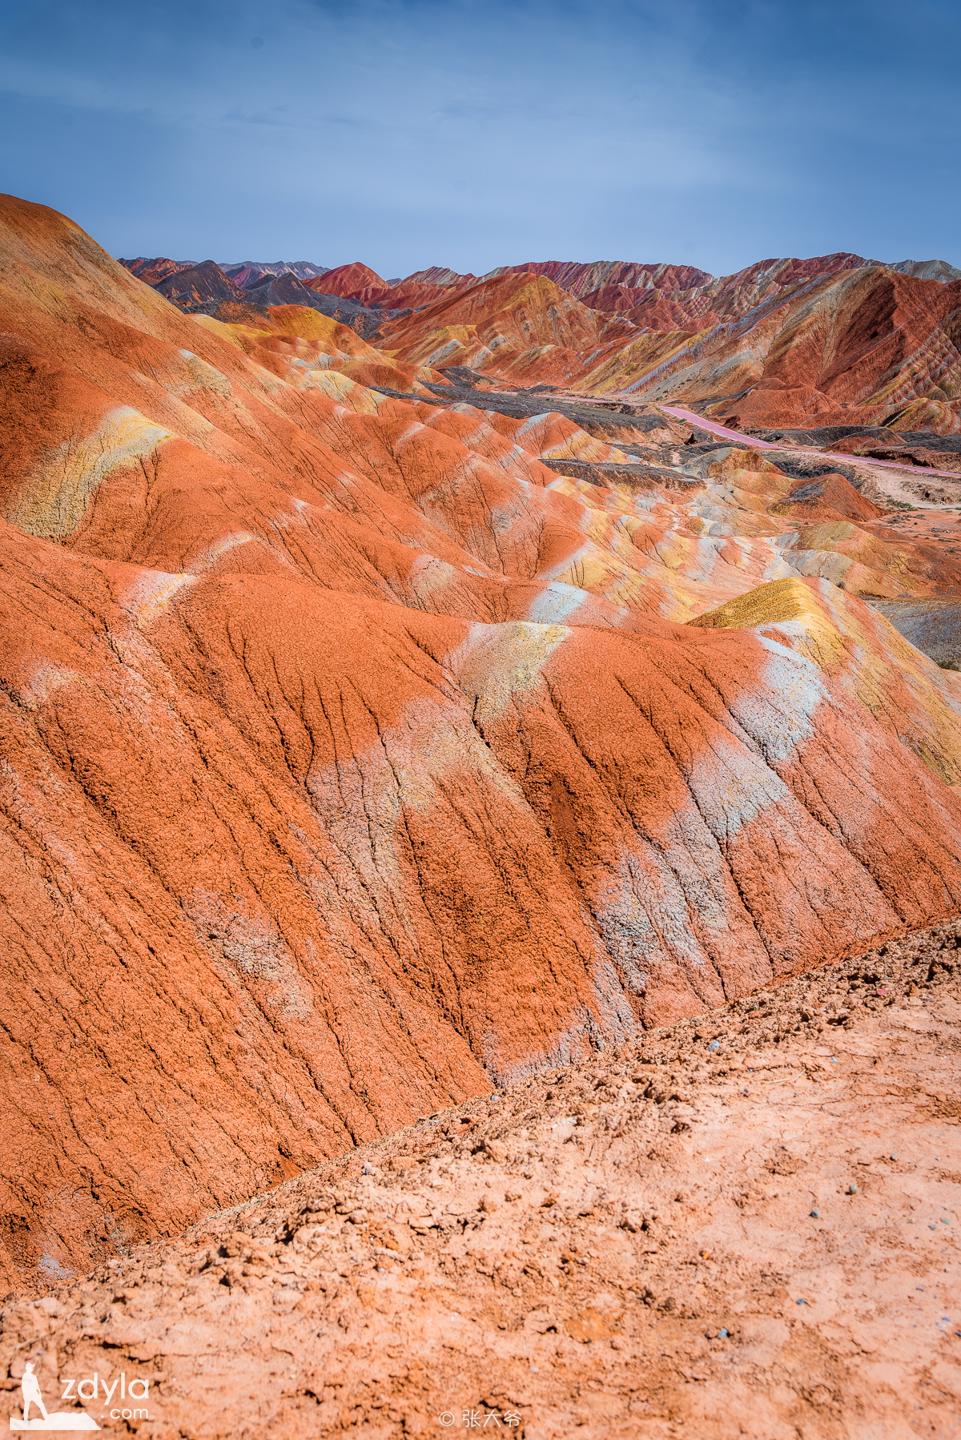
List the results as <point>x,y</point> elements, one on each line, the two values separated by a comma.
<point>411,687</point>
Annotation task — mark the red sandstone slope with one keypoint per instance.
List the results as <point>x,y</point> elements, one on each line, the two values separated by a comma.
<point>581,279</point>
<point>349,765</point>
<point>352,282</point>
<point>863,346</point>
<point>873,342</point>
<point>518,326</point>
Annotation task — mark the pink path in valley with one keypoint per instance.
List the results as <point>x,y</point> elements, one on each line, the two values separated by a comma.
<point>724,432</point>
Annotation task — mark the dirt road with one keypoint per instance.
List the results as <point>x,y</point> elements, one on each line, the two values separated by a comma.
<point>753,442</point>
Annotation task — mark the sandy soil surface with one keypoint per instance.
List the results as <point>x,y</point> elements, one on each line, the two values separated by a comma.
<point>938,527</point>
<point>745,1225</point>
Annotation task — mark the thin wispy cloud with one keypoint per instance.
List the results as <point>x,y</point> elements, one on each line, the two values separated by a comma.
<point>404,134</point>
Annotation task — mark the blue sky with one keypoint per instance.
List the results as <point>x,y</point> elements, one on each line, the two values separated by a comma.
<point>412,132</point>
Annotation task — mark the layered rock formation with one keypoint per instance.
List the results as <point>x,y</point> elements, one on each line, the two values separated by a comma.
<point>355,759</point>
<point>352,282</point>
<point>830,340</point>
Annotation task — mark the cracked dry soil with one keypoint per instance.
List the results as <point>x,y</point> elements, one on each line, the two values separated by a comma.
<point>745,1225</point>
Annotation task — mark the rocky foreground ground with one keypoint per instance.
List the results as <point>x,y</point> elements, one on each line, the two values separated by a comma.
<point>744,1225</point>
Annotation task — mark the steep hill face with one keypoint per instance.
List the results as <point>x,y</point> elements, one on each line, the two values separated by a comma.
<point>355,760</point>
<point>520,326</point>
<point>198,287</point>
<point>710,1232</point>
<point>583,279</point>
<point>862,346</point>
<point>353,282</point>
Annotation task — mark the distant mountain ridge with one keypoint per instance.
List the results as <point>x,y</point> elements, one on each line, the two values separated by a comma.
<point>582,279</point>
<point>303,269</point>
<point>241,271</point>
<point>827,339</point>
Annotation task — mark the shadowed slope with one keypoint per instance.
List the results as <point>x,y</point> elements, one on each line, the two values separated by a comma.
<point>862,345</point>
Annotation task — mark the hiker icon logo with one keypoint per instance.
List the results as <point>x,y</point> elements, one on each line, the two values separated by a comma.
<point>37,1417</point>
<point>121,1397</point>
